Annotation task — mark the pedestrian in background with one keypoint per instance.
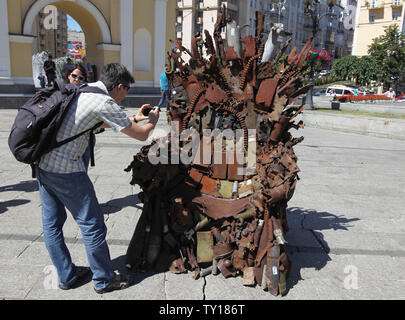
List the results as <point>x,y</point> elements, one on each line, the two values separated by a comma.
<point>89,70</point>
<point>67,67</point>
<point>76,74</point>
<point>390,94</point>
<point>165,89</point>
<point>50,70</point>
<point>42,80</point>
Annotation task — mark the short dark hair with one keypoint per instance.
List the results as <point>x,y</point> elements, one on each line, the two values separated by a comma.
<point>114,74</point>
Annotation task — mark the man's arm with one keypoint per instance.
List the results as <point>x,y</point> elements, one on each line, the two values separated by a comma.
<point>142,132</point>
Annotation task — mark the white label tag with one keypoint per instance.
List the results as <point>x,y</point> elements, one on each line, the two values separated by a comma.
<point>275,271</point>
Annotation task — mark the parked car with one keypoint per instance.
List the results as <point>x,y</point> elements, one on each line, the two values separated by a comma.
<point>324,73</point>
<point>319,92</point>
<point>400,98</point>
<point>338,90</point>
<point>365,91</point>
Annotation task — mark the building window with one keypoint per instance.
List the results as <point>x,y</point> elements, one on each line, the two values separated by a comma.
<point>395,15</point>
<point>374,3</point>
<point>143,50</point>
<point>372,17</point>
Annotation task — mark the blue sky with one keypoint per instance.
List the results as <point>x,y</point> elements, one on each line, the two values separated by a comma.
<point>72,24</point>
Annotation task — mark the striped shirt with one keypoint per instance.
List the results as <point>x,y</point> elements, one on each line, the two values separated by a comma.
<point>88,110</point>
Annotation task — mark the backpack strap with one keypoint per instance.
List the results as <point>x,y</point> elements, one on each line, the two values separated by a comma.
<point>90,89</point>
<point>84,88</point>
<point>61,143</point>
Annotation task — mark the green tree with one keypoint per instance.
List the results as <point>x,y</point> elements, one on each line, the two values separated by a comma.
<point>389,52</point>
<point>362,70</point>
<point>366,70</point>
<point>344,68</point>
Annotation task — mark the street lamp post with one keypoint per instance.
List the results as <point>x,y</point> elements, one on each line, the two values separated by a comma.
<point>311,8</point>
<point>280,5</point>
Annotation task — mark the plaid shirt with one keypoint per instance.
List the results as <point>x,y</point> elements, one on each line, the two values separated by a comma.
<point>88,110</point>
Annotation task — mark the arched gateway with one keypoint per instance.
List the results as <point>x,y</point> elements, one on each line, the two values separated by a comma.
<point>109,27</point>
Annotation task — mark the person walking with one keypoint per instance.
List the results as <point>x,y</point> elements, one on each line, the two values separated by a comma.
<point>165,90</point>
<point>65,185</point>
<point>50,70</point>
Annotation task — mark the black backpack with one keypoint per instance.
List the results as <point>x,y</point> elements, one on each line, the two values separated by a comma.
<point>36,125</point>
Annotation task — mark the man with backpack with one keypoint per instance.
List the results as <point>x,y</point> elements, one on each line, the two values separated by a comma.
<point>64,183</point>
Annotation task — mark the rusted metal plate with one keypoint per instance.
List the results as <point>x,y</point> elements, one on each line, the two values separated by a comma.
<point>266,92</point>
<point>217,208</point>
<point>249,276</point>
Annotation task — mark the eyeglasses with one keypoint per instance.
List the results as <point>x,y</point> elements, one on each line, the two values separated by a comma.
<point>76,76</point>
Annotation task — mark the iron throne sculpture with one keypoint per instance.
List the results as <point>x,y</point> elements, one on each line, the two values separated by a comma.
<point>225,217</point>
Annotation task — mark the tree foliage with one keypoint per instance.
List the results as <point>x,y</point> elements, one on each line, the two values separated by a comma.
<point>389,51</point>
<point>344,68</point>
<point>362,70</point>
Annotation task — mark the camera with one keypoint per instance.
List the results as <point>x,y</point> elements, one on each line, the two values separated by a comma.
<point>146,111</point>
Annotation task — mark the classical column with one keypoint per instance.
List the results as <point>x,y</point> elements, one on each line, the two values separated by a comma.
<point>403,18</point>
<point>159,39</point>
<point>127,26</point>
<point>356,29</point>
<point>5,69</point>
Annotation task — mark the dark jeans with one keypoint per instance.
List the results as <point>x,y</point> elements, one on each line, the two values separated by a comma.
<point>51,78</point>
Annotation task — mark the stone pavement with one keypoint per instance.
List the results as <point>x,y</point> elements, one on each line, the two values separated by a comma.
<point>346,220</point>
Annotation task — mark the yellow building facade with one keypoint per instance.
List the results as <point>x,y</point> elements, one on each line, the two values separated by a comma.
<point>372,17</point>
<point>136,33</point>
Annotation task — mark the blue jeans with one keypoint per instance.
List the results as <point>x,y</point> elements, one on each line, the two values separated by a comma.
<point>74,192</point>
<point>164,101</point>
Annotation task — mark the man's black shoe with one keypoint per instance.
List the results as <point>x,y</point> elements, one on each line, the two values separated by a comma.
<point>81,272</point>
<point>118,282</point>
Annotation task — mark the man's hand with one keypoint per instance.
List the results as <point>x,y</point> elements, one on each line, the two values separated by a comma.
<point>142,132</point>
<point>147,112</point>
<point>140,116</point>
<point>154,115</point>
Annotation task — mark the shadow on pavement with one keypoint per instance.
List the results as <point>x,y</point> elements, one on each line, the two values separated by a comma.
<point>116,205</point>
<point>23,186</point>
<point>26,186</point>
<point>11,203</point>
<point>306,225</point>
<point>136,276</point>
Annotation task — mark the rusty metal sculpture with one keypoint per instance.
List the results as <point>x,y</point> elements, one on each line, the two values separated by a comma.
<point>214,217</point>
